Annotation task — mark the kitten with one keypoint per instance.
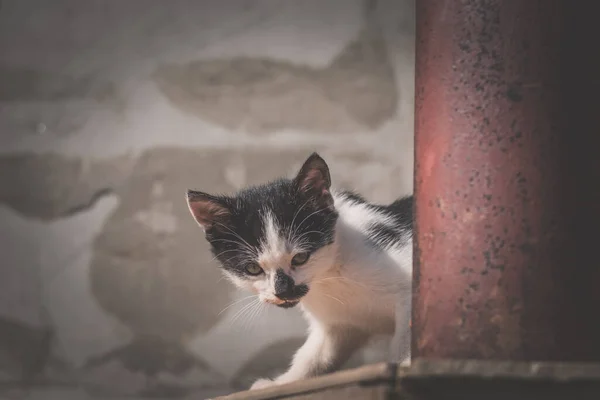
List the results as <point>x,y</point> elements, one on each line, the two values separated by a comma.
<point>347,263</point>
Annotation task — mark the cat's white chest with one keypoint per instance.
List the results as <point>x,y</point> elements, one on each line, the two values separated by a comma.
<point>346,304</point>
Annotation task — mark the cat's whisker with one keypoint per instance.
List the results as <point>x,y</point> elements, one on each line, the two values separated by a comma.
<point>243,246</point>
<point>339,278</point>
<point>253,313</point>
<point>261,310</point>
<point>242,311</point>
<point>240,257</point>
<point>224,252</point>
<point>305,234</point>
<point>235,260</point>
<point>334,298</point>
<point>370,286</point>
<point>235,302</point>
<point>332,278</point>
<point>236,242</point>
<point>294,219</point>
<point>244,315</point>
<point>307,217</point>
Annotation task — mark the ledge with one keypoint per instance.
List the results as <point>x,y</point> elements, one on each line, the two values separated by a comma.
<point>375,376</point>
<point>445,379</point>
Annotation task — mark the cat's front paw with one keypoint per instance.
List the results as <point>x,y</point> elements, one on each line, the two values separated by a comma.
<point>262,383</point>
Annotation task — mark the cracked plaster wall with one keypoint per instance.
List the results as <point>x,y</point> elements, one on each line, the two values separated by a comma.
<point>109,110</point>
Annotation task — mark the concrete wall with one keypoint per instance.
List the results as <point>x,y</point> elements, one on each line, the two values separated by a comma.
<point>109,110</point>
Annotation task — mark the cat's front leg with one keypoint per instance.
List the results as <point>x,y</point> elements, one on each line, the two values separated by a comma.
<point>262,383</point>
<point>325,350</point>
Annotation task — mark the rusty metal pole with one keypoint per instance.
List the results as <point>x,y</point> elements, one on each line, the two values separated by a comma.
<point>506,182</point>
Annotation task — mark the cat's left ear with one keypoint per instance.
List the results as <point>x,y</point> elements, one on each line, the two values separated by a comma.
<point>314,180</point>
<point>207,210</point>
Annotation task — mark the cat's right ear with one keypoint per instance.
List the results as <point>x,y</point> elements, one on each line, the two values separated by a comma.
<point>313,180</point>
<point>207,210</point>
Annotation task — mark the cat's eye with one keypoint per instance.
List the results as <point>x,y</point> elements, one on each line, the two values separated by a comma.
<point>254,269</point>
<point>300,258</point>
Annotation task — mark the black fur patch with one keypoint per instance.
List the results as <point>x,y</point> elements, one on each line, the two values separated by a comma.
<point>355,197</point>
<point>286,288</point>
<point>401,213</point>
<point>235,244</point>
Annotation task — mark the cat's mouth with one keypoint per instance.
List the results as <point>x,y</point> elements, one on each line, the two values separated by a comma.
<point>289,300</point>
<point>288,303</point>
<point>284,303</point>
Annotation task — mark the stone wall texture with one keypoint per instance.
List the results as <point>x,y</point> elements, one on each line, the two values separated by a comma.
<point>109,110</point>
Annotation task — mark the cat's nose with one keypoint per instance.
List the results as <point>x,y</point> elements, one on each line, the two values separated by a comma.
<point>284,286</point>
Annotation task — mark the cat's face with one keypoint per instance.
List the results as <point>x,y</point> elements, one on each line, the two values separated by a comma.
<point>274,239</point>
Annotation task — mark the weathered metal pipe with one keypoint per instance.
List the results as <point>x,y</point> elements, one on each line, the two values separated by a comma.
<point>506,182</point>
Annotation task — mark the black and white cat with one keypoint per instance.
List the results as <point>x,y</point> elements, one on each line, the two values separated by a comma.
<point>347,263</point>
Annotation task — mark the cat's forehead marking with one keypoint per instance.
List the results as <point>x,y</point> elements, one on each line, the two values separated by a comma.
<point>273,252</point>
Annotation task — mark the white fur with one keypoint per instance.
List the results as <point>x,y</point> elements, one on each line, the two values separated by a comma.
<point>356,291</point>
